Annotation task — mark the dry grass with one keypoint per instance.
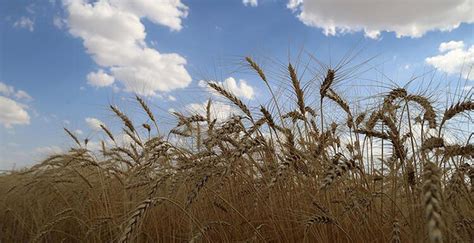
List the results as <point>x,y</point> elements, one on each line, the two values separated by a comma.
<point>258,178</point>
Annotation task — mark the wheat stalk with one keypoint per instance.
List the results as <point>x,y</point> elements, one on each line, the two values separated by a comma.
<point>455,109</point>
<point>395,232</point>
<point>432,202</point>
<point>72,136</point>
<point>231,97</point>
<point>133,221</point>
<point>123,117</point>
<point>297,88</point>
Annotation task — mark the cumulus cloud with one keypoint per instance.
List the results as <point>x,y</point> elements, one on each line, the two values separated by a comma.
<point>168,12</point>
<point>12,113</point>
<point>253,3</point>
<point>100,79</point>
<point>451,45</point>
<point>413,18</point>
<point>219,110</point>
<point>6,89</point>
<point>94,123</point>
<point>11,92</point>
<point>25,23</point>
<point>454,58</point>
<point>241,89</point>
<point>123,49</point>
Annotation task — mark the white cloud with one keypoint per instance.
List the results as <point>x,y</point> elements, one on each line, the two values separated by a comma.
<point>22,95</point>
<point>253,3</point>
<point>219,110</point>
<point>12,113</point>
<point>59,22</point>
<point>94,123</point>
<point>6,89</point>
<point>49,150</point>
<point>405,18</point>
<point>372,34</point>
<point>113,34</point>
<point>78,132</point>
<point>452,45</point>
<point>164,12</point>
<point>454,58</point>
<point>10,91</point>
<point>241,89</point>
<point>171,98</point>
<point>100,79</point>
<point>25,23</point>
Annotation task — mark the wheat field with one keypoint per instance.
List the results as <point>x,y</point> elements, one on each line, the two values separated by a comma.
<point>392,172</point>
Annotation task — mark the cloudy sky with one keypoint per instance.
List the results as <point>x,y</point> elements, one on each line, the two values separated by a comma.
<point>62,62</point>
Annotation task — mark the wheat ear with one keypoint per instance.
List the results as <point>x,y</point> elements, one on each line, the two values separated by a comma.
<point>432,202</point>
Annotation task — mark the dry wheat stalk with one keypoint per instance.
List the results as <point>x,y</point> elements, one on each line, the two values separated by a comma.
<point>432,202</point>
<point>455,109</point>
<point>394,94</point>
<point>395,232</point>
<point>331,94</point>
<point>128,123</point>
<point>373,118</point>
<point>133,137</point>
<point>370,133</point>
<point>72,136</point>
<point>208,112</point>
<point>297,88</point>
<point>394,137</point>
<point>257,68</point>
<point>318,219</point>
<point>204,229</point>
<point>133,222</point>
<point>147,127</point>
<point>310,110</point>
<point>45,229</point>
<point>338,167</point>
<point>231,97</point>
<point>360,118</point>
<point>268,117</point>
<point>327,82</point>
<point>432,143</point>
<point>107,131</point>
<point>294,115</point>
<point>194,193</point>
<point>459,150</point>
<point>146,109</point>
<point>430,114</point>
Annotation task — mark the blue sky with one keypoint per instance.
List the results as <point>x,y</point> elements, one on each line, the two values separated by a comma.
<point>63,62</point>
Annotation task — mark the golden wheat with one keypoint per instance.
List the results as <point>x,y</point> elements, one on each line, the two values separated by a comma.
<point>281,177</point>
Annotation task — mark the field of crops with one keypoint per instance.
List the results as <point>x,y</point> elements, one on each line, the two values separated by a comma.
<point>395,172</point>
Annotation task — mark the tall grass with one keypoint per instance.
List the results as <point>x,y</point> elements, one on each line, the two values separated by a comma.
<point>388,174</point>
